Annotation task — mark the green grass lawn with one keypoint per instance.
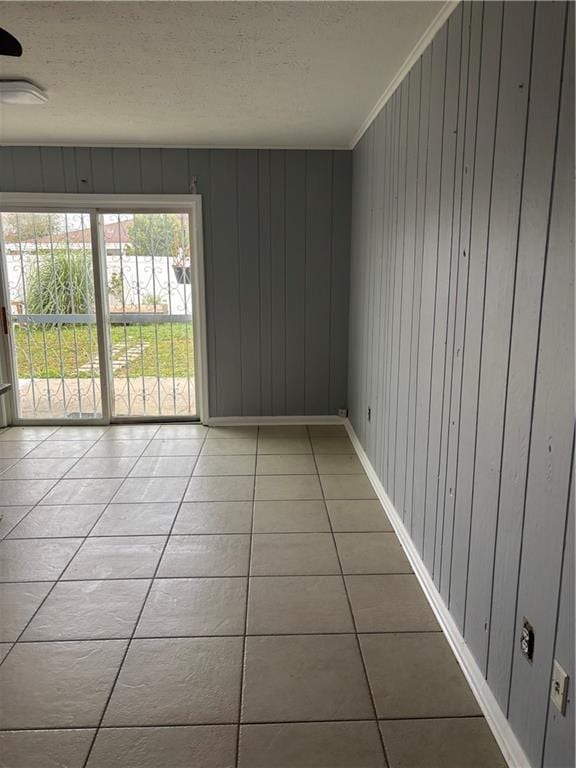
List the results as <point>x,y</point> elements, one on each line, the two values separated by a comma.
<point>50,352</point>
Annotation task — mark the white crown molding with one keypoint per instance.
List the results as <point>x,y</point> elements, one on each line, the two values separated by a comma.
<point>495,717</point>
<point>111,145</point>
<point>413,57</point>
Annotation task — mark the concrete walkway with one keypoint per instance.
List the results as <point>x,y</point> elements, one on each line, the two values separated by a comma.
<point>142,396</point>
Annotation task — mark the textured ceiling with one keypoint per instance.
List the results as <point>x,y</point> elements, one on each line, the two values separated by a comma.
<point>268,74</point>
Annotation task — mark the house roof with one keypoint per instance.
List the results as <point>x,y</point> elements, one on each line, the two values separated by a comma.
<point>115,232</point>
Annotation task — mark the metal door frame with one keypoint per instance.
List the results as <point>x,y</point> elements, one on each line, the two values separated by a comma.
<point>95,205</point>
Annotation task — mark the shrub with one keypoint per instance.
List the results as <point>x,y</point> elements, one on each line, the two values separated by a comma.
<point>60,283</point>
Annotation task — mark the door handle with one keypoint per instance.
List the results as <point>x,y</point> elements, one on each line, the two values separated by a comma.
<point>4,321</point>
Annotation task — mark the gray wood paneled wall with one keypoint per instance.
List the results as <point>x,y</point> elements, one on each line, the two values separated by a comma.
<point>277,246</point>
<point>462,337</point>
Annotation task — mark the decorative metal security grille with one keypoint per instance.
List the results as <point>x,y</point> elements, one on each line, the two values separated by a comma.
<point>52,314</point>
<point>150,310</point>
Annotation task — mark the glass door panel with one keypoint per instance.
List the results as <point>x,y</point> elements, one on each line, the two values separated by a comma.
<point>147,273</point>
<point>50,315</point>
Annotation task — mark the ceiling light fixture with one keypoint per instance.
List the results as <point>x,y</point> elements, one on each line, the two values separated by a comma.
<point>9,46</point>
<point>21,92</point>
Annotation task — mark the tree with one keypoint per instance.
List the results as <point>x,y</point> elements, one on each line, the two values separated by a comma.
<point>156,235</point>
<point>26,227</point>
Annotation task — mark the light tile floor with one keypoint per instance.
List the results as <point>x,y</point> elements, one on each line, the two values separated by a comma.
<point>227,598</point>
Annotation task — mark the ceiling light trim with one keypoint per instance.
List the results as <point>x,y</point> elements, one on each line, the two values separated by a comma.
<point>413,57</point>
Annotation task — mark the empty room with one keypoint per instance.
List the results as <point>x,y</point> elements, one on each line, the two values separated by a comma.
<point>287,384</point>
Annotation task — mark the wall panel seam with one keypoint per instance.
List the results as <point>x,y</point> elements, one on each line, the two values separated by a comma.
<point>473,186</point>
<point>544,270</point>
<point>425,497</point>
<point>522,179</point>
<point>482,322</point>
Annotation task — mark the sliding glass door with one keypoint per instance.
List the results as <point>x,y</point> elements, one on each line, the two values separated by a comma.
<point>49,315</point>
<point>149,314</point>
<point>105,338</point>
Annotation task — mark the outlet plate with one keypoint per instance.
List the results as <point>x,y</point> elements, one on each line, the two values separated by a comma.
<point>559,690</point>
<point>527,640</point>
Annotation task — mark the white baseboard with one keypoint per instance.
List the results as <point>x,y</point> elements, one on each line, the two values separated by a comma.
<point>495,717</point>
<point>246,421</point>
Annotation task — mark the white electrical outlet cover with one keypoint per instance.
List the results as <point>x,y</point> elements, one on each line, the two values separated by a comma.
<point>559,690</point>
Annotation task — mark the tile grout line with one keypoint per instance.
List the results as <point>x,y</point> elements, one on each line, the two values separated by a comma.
<point>106,506</point>
<point>39,502</point>
<point>255,576</point>
<point>243,657</point>
<point>131,638</point>
<point>252,723</point>
<point>48,439</point>
<point>196,533</point>
<point>32,506</point>
<point>57,580</point>
<point>82,540</point>
<point>358,645</point>
<point>234,634</point>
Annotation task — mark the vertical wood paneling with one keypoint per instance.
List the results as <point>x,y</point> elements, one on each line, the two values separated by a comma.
<point>469,327</point>
<point>467,204</point>
<point>296,282</point>
<point>412,147</point>
<point>7,177</point>
<point>396,281</point>
<point>442,279</point>
<point>366,292</point>
<point>127,171</point>
<point>276,229</point>
<point>389,246</point>
<point>400,239</point>
<point>375,276</point>
<point>454,274</point>
<point>488,99</point>
<point>549,467</point>
<point>365,278</point>
<point>200,167</point>
<point>393,297</point>
<point>430,256</point>
<point>354,303</point>
<point>248,257</point>
<point>84,169</point>
<point>151,169</point>
<point>340,275</point>
<point>356,311</point>
<point>226,271</point>
<point>384,309</point>
<point>536,194</point>
<point>501,263</point>
<point>52,169</point>
<point>559,743</point>
<point>175,171</point>
<point>318,253</point>
<point>199,170</point>
<point>278,279</point>
<point>27,166</point>
<point>423,143</point>
<point>102,170</point>
<point>264,249</point>
<point>70,175</point>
